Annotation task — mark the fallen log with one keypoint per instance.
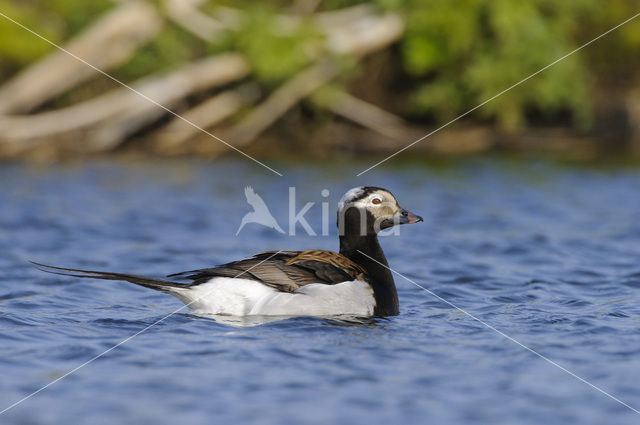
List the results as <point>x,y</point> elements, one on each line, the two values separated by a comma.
<point>173,138</point>
<point>111,117</point>
<point>166,93</point>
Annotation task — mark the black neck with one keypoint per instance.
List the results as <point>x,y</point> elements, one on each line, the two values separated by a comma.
<point>366,251</point>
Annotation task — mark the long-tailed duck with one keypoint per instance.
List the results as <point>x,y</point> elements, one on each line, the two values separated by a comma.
<point>354,282</point>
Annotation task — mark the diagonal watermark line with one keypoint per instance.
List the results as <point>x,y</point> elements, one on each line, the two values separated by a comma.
<point>125,340</point>
<point>531,350</point>
<point>499,94</point>
<point>138,93</point>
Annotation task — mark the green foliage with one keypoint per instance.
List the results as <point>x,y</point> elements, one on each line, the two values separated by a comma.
<point>464,53</point>
<point>54,19</point>
<point>170,48</point>
<point>74,15</point>
<point>17,46</point>
<point>275,49</point>
<point>457,54</point>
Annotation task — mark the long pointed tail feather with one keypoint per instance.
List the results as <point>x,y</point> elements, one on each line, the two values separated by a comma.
<point>147,282</point>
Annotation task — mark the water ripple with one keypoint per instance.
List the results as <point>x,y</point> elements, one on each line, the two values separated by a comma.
<point>547,254</point>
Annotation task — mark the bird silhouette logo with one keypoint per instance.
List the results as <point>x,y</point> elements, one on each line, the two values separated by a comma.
<point>260,214</point>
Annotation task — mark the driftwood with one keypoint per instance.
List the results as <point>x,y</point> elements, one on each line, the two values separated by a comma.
<point>366,34</point>
<point>105,45</point>
<point>107,120</point>
<point>172,138</point>
<point>363,113</point>
<point>283,99</point>
<point>364,37</point>
<point>186,14</point>
<point>174,88</point>
<point>355,30</point>
<point>113,116</point>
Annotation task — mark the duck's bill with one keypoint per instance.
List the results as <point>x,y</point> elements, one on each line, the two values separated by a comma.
<point>407,217</point>
<point>401,217</point>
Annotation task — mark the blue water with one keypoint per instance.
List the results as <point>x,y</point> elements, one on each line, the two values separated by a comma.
<point>547,254</point>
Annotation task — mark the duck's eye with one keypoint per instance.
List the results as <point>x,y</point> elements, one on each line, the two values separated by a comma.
<point>376,201</point>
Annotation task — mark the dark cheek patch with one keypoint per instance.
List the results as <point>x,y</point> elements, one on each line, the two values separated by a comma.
<point>388,211</point>
<point>385,212</point>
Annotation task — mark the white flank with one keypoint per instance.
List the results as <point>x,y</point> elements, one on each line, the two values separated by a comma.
<point>244,297</point>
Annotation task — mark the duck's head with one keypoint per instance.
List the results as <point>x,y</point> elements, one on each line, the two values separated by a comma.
<point>366,210</point>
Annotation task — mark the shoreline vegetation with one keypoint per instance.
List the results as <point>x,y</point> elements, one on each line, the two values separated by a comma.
<point>318,79</point>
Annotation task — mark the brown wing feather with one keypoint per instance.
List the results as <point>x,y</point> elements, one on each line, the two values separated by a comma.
<point>335,259</point>
<point>285,271</point>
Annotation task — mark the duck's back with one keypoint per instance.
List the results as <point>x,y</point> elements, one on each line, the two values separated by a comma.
<point>314,282</point>
<point>285,271</point>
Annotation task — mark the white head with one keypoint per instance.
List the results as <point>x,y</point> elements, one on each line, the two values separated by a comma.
<point>367,210</point>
